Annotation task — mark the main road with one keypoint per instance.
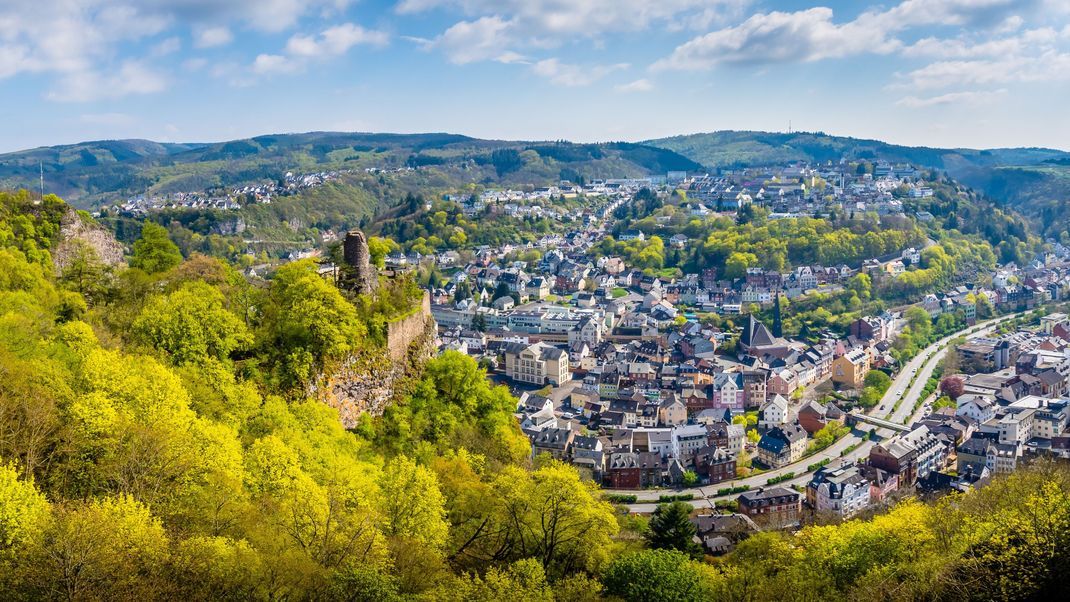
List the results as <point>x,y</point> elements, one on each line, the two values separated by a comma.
<point>897,405</point>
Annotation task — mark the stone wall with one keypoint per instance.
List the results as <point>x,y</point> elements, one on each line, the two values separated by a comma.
<point>369,381</point>
<point>402,334</point>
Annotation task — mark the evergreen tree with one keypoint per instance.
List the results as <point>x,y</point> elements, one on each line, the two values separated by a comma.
<point>671,529</point>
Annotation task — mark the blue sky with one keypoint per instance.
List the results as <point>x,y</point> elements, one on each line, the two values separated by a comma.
<point>979,73</point>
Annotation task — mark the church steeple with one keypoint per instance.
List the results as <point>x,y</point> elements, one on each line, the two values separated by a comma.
<point>778,328</point>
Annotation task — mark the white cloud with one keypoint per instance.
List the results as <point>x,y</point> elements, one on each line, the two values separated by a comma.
<point>777,37</point>
<point>329,43</point>
<point>12,59</point>
<point>957,12</point>
<point>1011,24</point>
<point>334,41</point>
<point>194,64</point>
<point>811,35</point>
<point>270,64</point>
<point>213,36</point>
<point>1047,66</point>
<point>484,39</point>
<point>565,74</point>
<point>132,77</point>
<point>639,85</point>
<point>961,48</point>
<point>952,98</point>
<point>581,17</point>
<point>168,46</point>
<point>509,28</point>
<point>83,44</point>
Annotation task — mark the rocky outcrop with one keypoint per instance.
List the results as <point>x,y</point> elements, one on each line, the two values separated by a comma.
<point>77,232</point>
<point>369,381</point>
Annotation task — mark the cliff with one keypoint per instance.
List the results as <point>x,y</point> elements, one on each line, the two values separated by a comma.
<point>76,231</point>
<point>370,380</point>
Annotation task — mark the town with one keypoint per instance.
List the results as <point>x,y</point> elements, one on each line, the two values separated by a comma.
<point>225,200</point>
<point>618,374</point>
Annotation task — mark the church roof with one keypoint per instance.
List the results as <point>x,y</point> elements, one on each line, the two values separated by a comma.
<point>755,334</point>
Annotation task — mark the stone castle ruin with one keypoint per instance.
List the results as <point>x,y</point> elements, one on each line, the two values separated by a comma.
<point>359,275</point>
<point>367,382</point>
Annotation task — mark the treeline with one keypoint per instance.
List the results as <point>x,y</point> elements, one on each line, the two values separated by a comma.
<point>732,246</point>
<point>444,226</point>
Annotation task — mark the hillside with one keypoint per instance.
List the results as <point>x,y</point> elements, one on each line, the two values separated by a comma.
<point>90,173</point>
<point>1035,181</point>
<point>742,148</point>
<point>1040,191</point>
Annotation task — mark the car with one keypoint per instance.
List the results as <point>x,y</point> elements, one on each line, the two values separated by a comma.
<point>567,415</point>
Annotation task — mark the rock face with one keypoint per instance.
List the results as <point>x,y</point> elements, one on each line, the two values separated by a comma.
<point>360,276</point>
<point>369,381</point>
<point>75,232</point>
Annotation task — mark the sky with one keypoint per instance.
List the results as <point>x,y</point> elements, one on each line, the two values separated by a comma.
<point>949,73</point>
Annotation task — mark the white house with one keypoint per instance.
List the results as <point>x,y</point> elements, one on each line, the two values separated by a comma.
<point>775,412</point>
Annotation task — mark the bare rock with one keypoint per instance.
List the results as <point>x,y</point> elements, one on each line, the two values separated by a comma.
<point>76,231</point>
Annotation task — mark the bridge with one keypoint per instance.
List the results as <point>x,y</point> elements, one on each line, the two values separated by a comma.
<point>894,426</point>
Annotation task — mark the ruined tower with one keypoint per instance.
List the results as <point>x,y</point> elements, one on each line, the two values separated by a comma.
<point>778,327</point>
<point>359,274</point>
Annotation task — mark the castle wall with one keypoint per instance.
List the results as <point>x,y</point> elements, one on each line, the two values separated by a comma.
<point>367,382</point>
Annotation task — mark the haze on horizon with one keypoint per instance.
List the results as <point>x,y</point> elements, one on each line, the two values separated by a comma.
<point>947,73</point>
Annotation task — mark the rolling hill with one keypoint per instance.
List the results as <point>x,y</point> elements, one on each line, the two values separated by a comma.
<point>93,172</point>
<point>1035,181</point>
<point>729,149</point>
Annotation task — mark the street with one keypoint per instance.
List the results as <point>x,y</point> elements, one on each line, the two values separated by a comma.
<point>925,362</point>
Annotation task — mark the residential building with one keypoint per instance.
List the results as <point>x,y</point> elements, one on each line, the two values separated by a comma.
<point>715,464</point>
<point>537,364</point>
<point>850,369</point>
<point>772,507</point>
<point>774,413</point>
<point>840,490</point>
<point>782,445</point>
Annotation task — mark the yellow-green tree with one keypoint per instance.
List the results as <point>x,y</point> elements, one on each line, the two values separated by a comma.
<point>191,325</point>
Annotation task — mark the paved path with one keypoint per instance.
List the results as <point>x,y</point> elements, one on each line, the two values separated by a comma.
<point>922,365</point>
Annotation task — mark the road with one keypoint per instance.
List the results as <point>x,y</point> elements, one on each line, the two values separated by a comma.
<point>923,364</point>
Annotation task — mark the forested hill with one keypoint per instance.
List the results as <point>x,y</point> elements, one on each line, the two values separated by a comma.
<point>1034,181</point>
<point>732,149</point>
<point>92,172</point>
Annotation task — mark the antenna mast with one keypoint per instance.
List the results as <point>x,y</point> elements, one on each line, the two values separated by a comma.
<point>42,166</point>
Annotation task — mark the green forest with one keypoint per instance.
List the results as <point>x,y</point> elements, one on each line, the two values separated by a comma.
<point>158,442</point>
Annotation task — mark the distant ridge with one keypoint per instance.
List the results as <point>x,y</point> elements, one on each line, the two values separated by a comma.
<point>89,173</point>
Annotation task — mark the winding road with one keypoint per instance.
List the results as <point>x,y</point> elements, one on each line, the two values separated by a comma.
<point>894,407</point>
